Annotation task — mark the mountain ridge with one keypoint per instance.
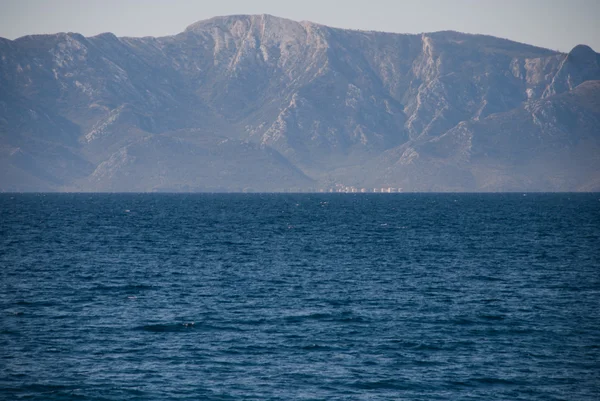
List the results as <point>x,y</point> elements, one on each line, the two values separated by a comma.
<point>334,103</point>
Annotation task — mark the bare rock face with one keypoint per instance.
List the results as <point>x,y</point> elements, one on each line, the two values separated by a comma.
<point>267,104</point>
<point>580,65</point>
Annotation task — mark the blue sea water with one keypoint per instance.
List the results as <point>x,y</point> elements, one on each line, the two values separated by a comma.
<point>300,297</point>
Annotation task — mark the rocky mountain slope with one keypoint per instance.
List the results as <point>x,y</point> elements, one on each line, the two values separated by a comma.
<point>266,104</point>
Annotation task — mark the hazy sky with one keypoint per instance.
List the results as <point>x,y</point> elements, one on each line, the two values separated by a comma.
<point>555,24</point>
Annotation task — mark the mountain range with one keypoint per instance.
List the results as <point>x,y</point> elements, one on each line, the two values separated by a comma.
<point>260,103</point>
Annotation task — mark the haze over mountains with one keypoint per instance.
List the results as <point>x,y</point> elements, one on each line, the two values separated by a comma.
<point>259,103</point>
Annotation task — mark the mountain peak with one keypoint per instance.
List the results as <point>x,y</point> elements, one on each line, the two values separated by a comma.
<point>227,22</point>
<point>582,53</point>
<point>581,49</point>
<point>586,60</point>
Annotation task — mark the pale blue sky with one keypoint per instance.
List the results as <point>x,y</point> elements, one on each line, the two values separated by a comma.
<point>555,24</point>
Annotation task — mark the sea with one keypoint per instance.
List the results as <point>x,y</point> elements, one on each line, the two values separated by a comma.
<point>300,296</point>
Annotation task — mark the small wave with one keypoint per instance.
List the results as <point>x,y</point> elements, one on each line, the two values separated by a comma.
<point>308,316</point>
<point>461,321</point>
<point>495,381</point>
<point>344,317</point>
<point>252,322</point>
<point>492,317</point>
<point>166,328</point>
<point>428,347</point>
<point>380,385</point>
<point>123,288</point>
<point>404,343</point>
<point>316,347</point>
<point>35,303</point>
<point>490,300</point>
<point>15,312</point>
<point>349,317</point>
<point>485,278</point>
<point>44,388</point>
<point>461,383</point>
<point>424,362</point>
